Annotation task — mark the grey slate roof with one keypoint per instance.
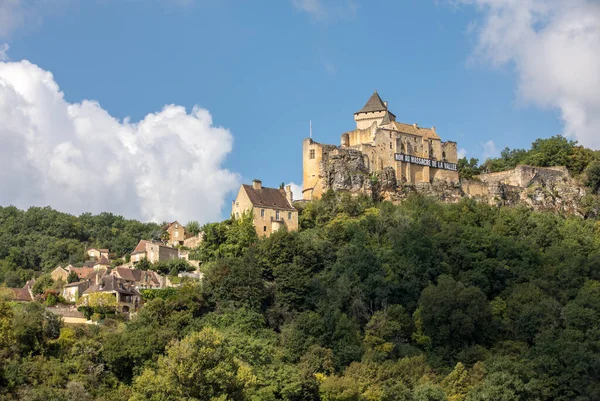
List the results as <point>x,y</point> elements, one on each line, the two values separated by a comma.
<point>268,198</point>
<point>388,118</point>
<point>373,104</point>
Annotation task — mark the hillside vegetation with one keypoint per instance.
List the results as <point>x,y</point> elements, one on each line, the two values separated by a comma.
<point>39,239</point>
<point>420,301</point>
<point>555,151</point>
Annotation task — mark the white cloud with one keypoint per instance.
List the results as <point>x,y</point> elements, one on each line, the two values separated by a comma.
<point>462,152</point>
<point>554,48</point>
<point>327,9</point>
<point>489,150</point>
<point>296,191</point>
<point>77,158</point>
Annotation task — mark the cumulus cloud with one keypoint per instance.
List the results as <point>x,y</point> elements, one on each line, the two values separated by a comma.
<point>296,191</point>
<point>554,48</point>
<point>462,152</point>
<point>327,9</point>
<point>77,158</point>
<point>489,150</point>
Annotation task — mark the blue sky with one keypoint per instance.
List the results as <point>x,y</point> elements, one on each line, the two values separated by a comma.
<point>263,69</point>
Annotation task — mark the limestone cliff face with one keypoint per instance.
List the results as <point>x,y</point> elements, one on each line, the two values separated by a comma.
<point>544,189</point>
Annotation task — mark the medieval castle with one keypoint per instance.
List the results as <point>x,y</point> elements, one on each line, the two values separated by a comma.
<point>416,154</point>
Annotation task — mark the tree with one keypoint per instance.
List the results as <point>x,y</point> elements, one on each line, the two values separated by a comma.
<point>453,315</point>
<point>468,168</point>
<point>102,303</point>
<point>72,277</point>
<point>592,173</point>
<point>193,227</point>
<point>42,284</point>
<point>199,367</point>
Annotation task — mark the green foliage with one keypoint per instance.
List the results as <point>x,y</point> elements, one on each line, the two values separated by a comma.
<point>592,173</point>
<point>193,227</point>
<point>230,238</point>
<point>368,301</point>
<point>42,284</point>
<point>72,277</point>
<point>468,168</point>
<point>199,367</point>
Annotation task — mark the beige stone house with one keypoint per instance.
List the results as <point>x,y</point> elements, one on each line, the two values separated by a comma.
<point>177,233</point>
<point>271,208</point>
<point>415,154</point>
<point>154,252</point>
<point>96,253</point>
<point>60,273</point>
<point>71,292</point>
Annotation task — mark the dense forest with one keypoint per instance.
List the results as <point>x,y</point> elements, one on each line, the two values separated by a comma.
<point>368,301</point>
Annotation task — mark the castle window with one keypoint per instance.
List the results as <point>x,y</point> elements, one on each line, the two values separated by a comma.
<point>262,213</point>
<point>265,228</point>
<point>277,215</point>
<point>311,154</point>
<point>444,155</point>
<point>390,145</point>
<point>289,215</point>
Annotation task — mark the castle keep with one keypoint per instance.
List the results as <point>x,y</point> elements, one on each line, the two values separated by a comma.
<point>380,144</point>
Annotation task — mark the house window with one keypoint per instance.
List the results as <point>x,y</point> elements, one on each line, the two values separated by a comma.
<point>289,215</point>
<point>265,228</point>
<point>176,233</point>
<point>176,226</point>
<point>311,154</point>
<point>262,213</point>
<point>277,215</point>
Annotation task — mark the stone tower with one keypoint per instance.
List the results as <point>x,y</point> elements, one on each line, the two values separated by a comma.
<point>375,110</point>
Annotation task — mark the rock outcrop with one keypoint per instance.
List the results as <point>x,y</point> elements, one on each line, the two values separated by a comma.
<point>544,189</point>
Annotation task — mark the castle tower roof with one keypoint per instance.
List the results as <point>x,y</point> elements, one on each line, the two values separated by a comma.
<point>388,118</point>
<point>373,104</point>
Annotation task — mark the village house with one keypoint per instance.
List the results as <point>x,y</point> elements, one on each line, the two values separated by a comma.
<point>60,273</point>
<point>139,279</point>
<point>71,292</point>
<point>412,153</point>
<point>95,253</point>
<point>153,252</point>
<point>127,297</point>
<point>271,208</point>
<point>177,233</point>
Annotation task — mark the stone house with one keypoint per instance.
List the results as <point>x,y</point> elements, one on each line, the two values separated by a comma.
<point>72,291</point>
<point>60,273</point>
<point>96,253</point>
<point>177,233</point>
<point>271,208</point>
<point>153,252</point>
<point>412,153</point>
<point>127,297</point>
<point>139,279</point>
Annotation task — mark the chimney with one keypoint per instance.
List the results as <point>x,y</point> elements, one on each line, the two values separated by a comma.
<point>415,125</point>
<point>288,193</point>
<point>256,184</point>
<point>433,129</point>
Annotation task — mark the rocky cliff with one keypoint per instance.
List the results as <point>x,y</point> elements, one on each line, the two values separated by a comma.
<point>544,189</point>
